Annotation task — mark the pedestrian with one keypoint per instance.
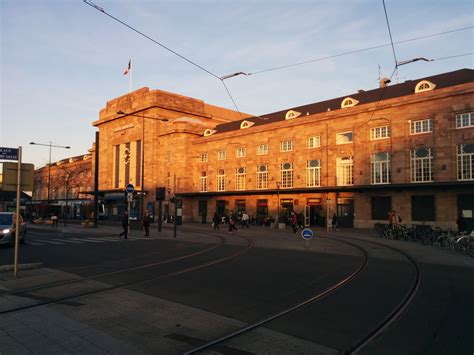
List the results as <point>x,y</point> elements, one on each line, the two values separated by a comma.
<point>245,220</point>
<point>124,225</point>
<point>232,222</point>
<point>293,222</point>
<point>146,223</point>
<point>393,219</point>
<point>334,222</point>
<point>461,223</point>
<point>216,220</point>
<point>300,218</point>
<point>54,219</point>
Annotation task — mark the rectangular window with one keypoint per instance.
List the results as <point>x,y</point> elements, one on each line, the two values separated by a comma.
<point>203,182</point>
<point>313,142</point>
<point>381,206</point>
<point>262,149</point>
<point>344,137</point>
<point>286,146</point>
<point>345,171</point>
<point>117,166</point>
<point>221,180</point>
<point>422,208</point>
<point>138,167</point>
<point>380,168</point>
<point>286,175</point>
<point>421,126</point>
<point>240,174</point>
<point>380,132</point>
<point>464,120</point>
<point>203,158</point>
<point>240,152</point>
<point>421,165</point>
<point>465,161</point>
<point>262,177</point>
<point>221,155</point>
<point>313,173</point>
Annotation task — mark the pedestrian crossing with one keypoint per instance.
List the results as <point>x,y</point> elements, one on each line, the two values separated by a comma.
<point>38,241</point>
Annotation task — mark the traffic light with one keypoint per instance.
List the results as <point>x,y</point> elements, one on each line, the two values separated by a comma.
<point>160,193</point>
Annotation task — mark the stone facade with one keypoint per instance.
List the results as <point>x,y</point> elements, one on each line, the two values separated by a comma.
<point>394,147</point>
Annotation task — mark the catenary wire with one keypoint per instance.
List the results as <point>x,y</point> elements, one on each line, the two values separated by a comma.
<point>90,3</point>
<point>452,56</point>
<point>390,34</point>
<point>359,50</point>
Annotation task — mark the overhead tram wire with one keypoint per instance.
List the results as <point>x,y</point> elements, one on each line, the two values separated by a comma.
<point>452,56</point>
<point>390,34</point>
<point>359,51</point>
<point>98,8</point>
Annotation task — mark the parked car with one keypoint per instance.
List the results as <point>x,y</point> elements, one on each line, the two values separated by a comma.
<point>7,228</point>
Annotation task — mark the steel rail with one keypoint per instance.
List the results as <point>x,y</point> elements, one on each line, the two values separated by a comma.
<point>93,277</point>
<point>397,312</point>
<point>135,283</point>
<point>306,302</point>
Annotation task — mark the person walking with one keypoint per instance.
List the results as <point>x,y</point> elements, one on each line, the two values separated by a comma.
<point>124,225</point>
<point>232,222</point>
<point>293,222</point>
<point>146,223</point>
<point>334,222</point>
<point>300,218</point>
<point>245,220</point>
<point>216,220</point>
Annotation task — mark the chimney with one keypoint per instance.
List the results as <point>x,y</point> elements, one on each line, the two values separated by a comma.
<point>384,82</point>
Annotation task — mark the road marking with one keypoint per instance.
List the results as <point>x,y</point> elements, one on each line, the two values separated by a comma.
<point>68,241</point>
<point>49,241</point>
<point>34,243</point>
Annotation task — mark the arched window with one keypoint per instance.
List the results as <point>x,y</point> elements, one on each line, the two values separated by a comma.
<point>246,124</point>
<point>349,102</point>
<point>423,86</point>
<point>292,114</point>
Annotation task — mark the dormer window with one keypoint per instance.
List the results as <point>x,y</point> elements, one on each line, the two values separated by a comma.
<point>349,102</point>
<point>209,131</point>
<point>246,124</point>
<point>292,114</point>
<point>423,86</point>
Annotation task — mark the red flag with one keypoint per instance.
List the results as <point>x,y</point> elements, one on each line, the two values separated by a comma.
<point>128,68</point>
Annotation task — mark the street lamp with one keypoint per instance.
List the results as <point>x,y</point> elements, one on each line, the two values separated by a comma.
<point>50,145</point>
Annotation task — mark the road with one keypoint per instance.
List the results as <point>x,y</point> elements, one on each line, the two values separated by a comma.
<point>170,295</point>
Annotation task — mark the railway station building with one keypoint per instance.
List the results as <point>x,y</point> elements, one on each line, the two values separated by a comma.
<point>407,147</point>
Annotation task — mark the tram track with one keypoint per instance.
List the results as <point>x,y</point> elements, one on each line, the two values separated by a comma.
<point>140,267</point>
<point>234,255</point>
<point>361,343</point>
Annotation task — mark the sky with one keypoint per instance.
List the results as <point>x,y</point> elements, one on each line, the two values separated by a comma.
<point>62,60</point>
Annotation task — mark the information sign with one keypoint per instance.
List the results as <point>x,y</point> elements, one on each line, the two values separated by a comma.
<point>307,233</point>
<point>8,153</point>
<point>130,188</point>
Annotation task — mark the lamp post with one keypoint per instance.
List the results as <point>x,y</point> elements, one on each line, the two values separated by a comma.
<point>278,206</point>
<point>164,119</point>
<point>50,145</point>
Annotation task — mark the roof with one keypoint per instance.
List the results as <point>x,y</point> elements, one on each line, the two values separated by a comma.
<point>444,80</point>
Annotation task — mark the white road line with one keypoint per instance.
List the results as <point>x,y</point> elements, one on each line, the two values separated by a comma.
<point>68,241</point>
<point>49,241</point>
<point>87,240</point>
<point>34,243</point>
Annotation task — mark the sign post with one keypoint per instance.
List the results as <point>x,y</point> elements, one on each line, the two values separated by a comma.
<point>129,189</point>
<point>307,234</point>
<point>17,217</point>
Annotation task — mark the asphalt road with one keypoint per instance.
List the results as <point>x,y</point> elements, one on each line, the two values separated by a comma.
<point>262,281</point>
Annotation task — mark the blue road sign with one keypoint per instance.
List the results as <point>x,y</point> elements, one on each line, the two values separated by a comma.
<point>130,188</point>
<point>8,153</point>
<point>307,233</point>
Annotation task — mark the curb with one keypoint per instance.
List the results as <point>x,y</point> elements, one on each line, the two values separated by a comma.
<point>5,268</point>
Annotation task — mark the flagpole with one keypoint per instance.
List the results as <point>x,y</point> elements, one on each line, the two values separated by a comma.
<point>130,81</point>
